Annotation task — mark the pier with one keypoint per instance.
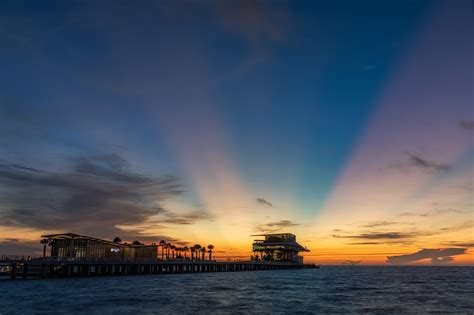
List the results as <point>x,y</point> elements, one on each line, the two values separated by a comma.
<point>75,255</point>
<point>41,268</point>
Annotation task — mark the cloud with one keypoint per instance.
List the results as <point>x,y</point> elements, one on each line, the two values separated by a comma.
<point>437,212</point>
<point>385,242</point>
<point>275,226</point>
<point>458,227</point>
<point>264,202</point>
<point>437,256</point>
<point>165,218</point>
<point>467,124</point>
<point>184,219</point>
<point>432,213</point>
<point>459,244</point>
<point>425,164</point>
<point>378,235</point>
<point>96,193</point>
<point>398,237</point>
<point>379,223</point>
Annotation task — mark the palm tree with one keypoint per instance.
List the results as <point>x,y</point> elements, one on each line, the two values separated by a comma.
<point>210,248</point>
<point>168,246</point>
<point>203,250</point>
<point>197,247</point>
<point>45,242</point>
<point>135,242</point>
<point>185,250</point>
<point>117,240</point>
<point>173,251</point>
<point>162,244</point>
<point>192,252</point>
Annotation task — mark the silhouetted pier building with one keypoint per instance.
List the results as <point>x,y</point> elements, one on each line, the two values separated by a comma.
<point>278,247</point>
<point>70,246</point>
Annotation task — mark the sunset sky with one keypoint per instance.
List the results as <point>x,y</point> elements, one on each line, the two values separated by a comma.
<point>347,123</point>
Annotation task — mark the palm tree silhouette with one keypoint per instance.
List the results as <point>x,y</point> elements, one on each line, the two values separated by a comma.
<point>203,251</point>
<point>192,252</point>
<point>210,248</point>
<point>45,242</point>
<point>168,246</point>
<point>185,250</point>
<point>197,247</point>
<point>173,251</point>
<point>117,240</point>
<point>162,244</point>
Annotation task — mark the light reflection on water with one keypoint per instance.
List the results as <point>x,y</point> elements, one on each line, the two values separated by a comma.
<point>325,290</point>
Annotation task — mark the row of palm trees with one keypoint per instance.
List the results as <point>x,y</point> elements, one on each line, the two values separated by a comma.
<point>197,252</point>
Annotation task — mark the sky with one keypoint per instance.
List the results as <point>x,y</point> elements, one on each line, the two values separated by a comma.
<point>349,124</point>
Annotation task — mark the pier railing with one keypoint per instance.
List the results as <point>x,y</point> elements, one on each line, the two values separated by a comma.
<point>47,268</point>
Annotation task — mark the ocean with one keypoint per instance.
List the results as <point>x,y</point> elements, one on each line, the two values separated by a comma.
<point>328,290</point>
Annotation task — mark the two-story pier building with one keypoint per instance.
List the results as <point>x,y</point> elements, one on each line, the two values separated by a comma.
<point>278,247</point>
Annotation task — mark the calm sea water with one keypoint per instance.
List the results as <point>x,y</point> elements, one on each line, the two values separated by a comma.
<point>354,289</point>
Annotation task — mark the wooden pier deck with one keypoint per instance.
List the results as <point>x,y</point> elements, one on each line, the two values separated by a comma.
<point>24,269</point>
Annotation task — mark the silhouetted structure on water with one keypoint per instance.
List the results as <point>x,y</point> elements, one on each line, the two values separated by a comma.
<point>71,246</point>
<point>74,255</point>
<point>278,247</point>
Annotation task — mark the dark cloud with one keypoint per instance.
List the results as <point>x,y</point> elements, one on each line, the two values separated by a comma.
<point>422,163</point>
<point>184,219</point>
<point>264,202</point>
<point>437,256</point>
<point>378,235</point>
<point>147,239</point>
<point>164,219</point>
<point>275,226</point>
<point>379,223</point>
<point>398,237</point>
<point>366,243</point>
<point>386,242</point>
<point>467,124</point>
<point>459,244</point>
<point>95,194</point>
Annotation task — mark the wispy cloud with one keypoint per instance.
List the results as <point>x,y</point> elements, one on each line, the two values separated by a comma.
<point>422,163</point>
<point>275,226</point>
<point>400,237</point>
<point>459,244</point>
<point>378,235</point>
<point>431,213</point>
<point>437,256</point>
<point>379,224</point>
<point>264,202</point>
<point>184,219</point>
